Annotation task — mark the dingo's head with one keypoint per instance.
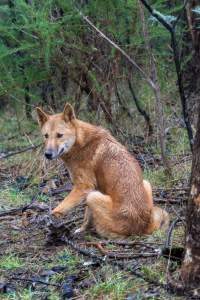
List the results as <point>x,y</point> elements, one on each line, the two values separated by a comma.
<point>58,131</point>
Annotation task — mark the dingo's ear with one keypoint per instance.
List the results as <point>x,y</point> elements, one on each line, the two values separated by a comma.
<point>42,116</point>
<point>68,113</point>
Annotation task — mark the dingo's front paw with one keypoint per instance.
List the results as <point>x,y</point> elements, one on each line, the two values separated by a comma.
<point>57,213</point>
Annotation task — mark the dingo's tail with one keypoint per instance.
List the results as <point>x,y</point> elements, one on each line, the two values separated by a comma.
<point>160,218</point>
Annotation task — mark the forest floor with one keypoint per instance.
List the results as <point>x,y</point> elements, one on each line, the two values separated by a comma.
<point>41,258</point>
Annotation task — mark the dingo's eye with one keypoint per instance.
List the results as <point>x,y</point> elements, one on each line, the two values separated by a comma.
<point>59,135</point>
<point>46,136</point>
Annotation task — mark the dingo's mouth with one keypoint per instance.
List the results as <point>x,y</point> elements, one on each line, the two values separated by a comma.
<point>51,155</point>
<point>56,153</point>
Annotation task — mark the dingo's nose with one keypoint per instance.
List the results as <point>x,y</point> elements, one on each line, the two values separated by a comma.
<point>48,154</point>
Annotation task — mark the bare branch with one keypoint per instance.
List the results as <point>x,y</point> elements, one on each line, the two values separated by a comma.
<point>140,109</point>
<point>181,13</point>
<point>130,60</point>
<point>156,14</point>
<point>19,151</point>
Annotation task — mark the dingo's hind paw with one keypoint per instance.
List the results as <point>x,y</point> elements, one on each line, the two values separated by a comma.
<point>79,230</point>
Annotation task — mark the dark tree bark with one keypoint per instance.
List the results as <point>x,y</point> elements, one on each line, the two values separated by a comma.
<point>190,272</point>
<point>28,107</point>
<point>176,55</point>
<point>193,24</point>
<point>191,49</point>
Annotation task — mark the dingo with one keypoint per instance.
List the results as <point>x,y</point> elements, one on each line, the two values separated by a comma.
<point>104,174</point>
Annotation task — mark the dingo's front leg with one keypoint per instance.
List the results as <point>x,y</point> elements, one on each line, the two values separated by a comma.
<point>73,199</point>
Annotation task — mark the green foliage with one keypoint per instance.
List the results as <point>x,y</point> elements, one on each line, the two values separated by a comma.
<point>66,258</point>
<point>9,262</point>
<point>154,273</point>
<point>13,196</point>
<point>114,286</point>
<point>38,41</point>
<point>29,294</point>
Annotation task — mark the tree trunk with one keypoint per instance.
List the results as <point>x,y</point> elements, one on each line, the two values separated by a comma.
<point>193,24</point>
<point>191,48</point>
<point>190,272</point>
<point>157,93</point>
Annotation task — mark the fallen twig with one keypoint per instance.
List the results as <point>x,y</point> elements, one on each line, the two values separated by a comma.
<point>124,243</point>
<point>170,201</point>
<point>186,188</point>
<point>19,151</point>
<point>34,281</point>
<point>132,255</point>
<point>21,209</point>
<point>81,250</point>
<point>107,253</point>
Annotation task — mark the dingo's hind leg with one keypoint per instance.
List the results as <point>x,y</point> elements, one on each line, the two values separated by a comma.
<point>102,215</point>
<point>87,222</point>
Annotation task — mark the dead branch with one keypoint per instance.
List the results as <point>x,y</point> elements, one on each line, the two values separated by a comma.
<point>19,151</point>
<point>169,201</point>
<point>113,44</point>
<point>174,189</point>
<point>124,243</point>
<point>107,253</point>
<point>34,281</point>
<point>140,109</point>
<point>121,102</point>
<point>181,13</point>
<point>82,251</point>
<point>21,209</point>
